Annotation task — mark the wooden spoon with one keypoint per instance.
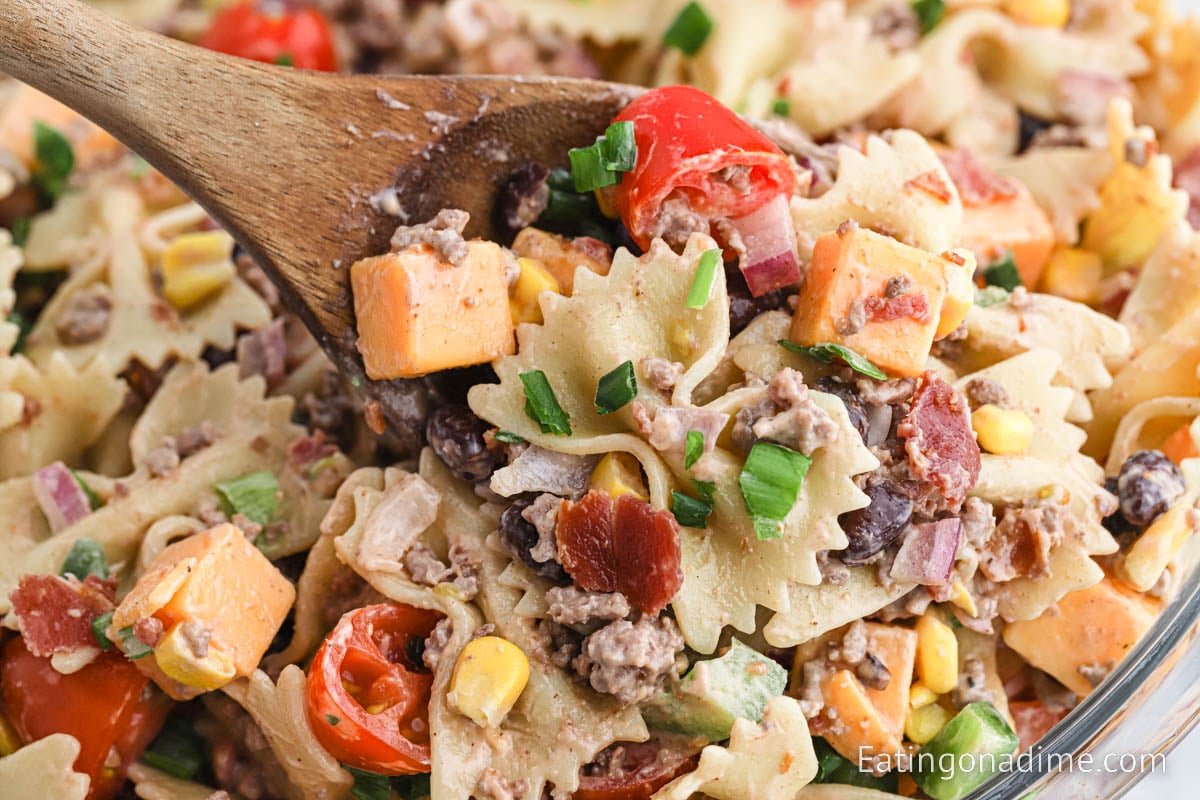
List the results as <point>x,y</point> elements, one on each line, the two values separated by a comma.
<point>288,161</point>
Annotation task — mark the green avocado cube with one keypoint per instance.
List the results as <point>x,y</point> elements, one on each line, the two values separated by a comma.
<point>965,754</point>
<point>714,693</point>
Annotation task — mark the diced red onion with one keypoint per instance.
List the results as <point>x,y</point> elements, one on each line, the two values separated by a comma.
<point>927,554</point>
<point>769,260</point>
<point>62,499</point>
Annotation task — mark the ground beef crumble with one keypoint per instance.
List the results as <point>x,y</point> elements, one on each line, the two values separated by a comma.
<point>632,660</point>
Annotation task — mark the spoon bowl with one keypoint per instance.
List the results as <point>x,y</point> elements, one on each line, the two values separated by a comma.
<point>308,171</point>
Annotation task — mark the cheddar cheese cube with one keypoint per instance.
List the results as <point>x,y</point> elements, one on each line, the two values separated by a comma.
<point>877,296</point>
<point>26,105</point>
<point>1089,632</point>
<point>418,315</point>
<point>216,603</point>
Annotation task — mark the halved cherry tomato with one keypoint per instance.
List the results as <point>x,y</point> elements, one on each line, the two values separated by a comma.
<point>646,767</point>
<point>684,138</point>
<point>367,702</point>
<point>1033,720</point>
<point>275,31</point>
<point>107,705</point>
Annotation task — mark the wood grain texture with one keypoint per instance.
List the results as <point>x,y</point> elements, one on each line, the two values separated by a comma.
<point>287,160</point>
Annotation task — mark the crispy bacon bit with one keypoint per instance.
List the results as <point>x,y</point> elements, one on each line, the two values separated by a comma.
<point>932,184</point>
<point>308,450</point>
<point>954,258</point>
<point>977,185</point>
<point>623,546</point>
<point>885,309</point>
<point>938,439</point>
<point>55,614</point>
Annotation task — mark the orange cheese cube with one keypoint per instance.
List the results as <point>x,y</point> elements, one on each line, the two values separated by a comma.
<point>1179,445</point>
<point>1091,628</point>
<point>418,315</point>
<point>1009,222</point>
<point>27,105</point>
<point>873,718</point>
<point>844,300</point>
<point>219,601</point>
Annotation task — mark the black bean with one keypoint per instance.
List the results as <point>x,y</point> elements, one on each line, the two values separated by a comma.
<point>854,405</point>
<point>1031,126</point>
<point>1149,482</point>
<point>519,535</point>
<point>1115,523</point>
<point>456,435</point>
<point>873,673</point>
<point>873,528</point>
<point>743,307</point>
<point>524,196</point>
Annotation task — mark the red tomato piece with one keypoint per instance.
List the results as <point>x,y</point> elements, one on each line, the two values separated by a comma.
<point>939,440</point>
<point>623,546</point>
<point>1033,720</point>
<point>368,704</point>
<point>645,768</point>
<point>107,705</point>
<point>274,31</point>
<point>684,139</point>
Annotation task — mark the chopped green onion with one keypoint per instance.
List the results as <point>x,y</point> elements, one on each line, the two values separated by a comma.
<point>542,406</point>
<point>133,647</point>
<point>508,437</point>
<point>20,231</point>
<point>587,168</point>
<point>826,352</point>
<point>93,498</point>
<point>411,787</point>
<point>356,382</point>
<point>690,30</point>
<point>782,107</point>
<point>833,768</point>
<point>55,161</point>
<point>690,512</point>
<point>176,750</point>
<point>369,785</point>
<point>99,626</point>
<point>255,496</point>
<point>702,283</point>
<point>706,489</point>
<point>567,209</point>
<point>1003,272</point>
<point>332,720</point>
<point>285,60</point>
<point>85,558</point>
<point>990,296</point>
<point>770,483</point>
<point>320,465</point>
<point>929,13</point>
<point>616,389</point>
<point>618,147</point>
<point>693,448</point>
<point>139,167</point>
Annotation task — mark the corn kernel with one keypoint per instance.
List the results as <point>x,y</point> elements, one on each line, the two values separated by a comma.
<point>606,200</point>
<point>618,474</point>
<point>1002,431</point>
<point>175,657</point>
<point>1074,274</point>
<point>920,695</point>
<point>9,741</point>
<point>937,654</point>
<point>926,722</point>
<point>1135,211</point>
<point>960,597</point>
<point>533,280</point>
<point>196,266</point>
<point>1041,13</point>
<point>1149,555</point>
<point>489,676</point>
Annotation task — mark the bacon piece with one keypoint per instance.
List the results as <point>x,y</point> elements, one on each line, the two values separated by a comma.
<point>977,185</point>
<point>914,306</point>
<point>940,444</point>
<point>55,614</point>
<point>932,184</point>
<point>1187,177</point>
<point>308,450</point>
<point>624,546</point>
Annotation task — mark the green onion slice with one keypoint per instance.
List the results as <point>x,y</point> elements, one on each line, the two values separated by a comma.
<point>93,498</point>
<point>690,512</point>
<point>693,448</point>
<point>826,352</point>
<point>616,389</point>
<point>55,160</point>
<point>929,13</point>
<point>133,647</point>
<point>369,785</point>
<point>99,626</point>
<point>782,107</point>
<point>600,164</point>
<point>508,437</point>
<point>176,750</point>
<point>587,168</point>
<point>770,483</point>
<point>618,147</point>
<point>702,283</point>
<point>990,296</point>
<point>85,558</point>
<point>542,406</point>
<point>1003,272</point>
<point>255,496</point>
<point>690,30</point>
